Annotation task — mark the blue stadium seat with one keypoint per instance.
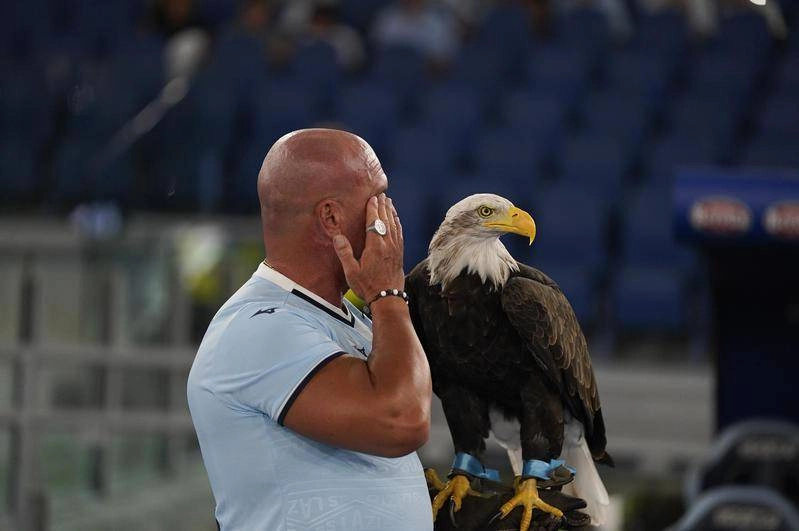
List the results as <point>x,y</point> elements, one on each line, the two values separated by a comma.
<point>646,237</point>
<point>558,71</point>
<point>540,116</point>
<point>779,115</point>
<point>18,177</point>
<point>662,35</point>
<point>507,155</point>
<point>786,77</point>
<point>26,108</point>
<point>414,199</point>
<point>772,149</point>
<point>585,30</point>
<point>315,67</point>
<point>648,299</point>
<point>454,109</point>
<point>75,178</point>
<point>422,152</point>
<point>711,118</point>
<point>489,70</point>
<point>401,67</point>
<point>370,110</point>
<point>625,118</point>
<point>637,74</point>
<point>674,151</point>
<point>239,59</point>
<point>193,142</point>
<point>572,228</point>
<point>505,29</point>
<point>725,75</point>
<point>745,36</point>
<point>281,106</point>
<point>359,13</point>
<point>597,163</point>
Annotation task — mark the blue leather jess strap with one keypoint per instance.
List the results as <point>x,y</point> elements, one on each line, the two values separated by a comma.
<point>472,466</point>
<point>542,470</point>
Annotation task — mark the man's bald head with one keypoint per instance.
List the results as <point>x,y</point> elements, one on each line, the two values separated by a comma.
<point>304,167</point>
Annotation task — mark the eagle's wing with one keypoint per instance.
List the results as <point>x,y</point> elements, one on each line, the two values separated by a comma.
<point>544,319</point>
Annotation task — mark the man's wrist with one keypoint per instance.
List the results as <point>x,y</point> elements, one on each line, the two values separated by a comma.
<point>387,304</point>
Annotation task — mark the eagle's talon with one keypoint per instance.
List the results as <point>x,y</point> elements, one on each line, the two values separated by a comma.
<point>433,480</point>
<point>454,507</point>
<point>457,488</point>
<point>527,496</point>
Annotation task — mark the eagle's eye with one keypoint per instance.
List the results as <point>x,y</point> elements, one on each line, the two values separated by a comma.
<point>485,211</point>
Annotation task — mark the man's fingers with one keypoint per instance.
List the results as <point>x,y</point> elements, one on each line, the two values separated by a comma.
<point>344,252</point>
<point>371,211</point>
<point>391,218</point>
<point>381,209</point>
<point>397,223</point>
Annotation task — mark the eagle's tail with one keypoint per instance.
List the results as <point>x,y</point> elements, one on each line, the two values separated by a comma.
<point>587,484</point>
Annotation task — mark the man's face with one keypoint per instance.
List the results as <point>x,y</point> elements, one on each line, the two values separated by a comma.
<point>374,183</point>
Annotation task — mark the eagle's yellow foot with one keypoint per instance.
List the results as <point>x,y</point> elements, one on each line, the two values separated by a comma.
<point>527,496</point>
<point>457,488</point>
<point>433,481</point>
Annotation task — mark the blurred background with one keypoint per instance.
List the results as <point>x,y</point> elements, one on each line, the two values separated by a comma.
<point>131,134</point>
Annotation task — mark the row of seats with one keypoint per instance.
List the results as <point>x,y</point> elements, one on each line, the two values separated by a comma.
<point>584,133</point>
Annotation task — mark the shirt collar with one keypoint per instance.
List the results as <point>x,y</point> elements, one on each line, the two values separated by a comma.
<point>284,282</point>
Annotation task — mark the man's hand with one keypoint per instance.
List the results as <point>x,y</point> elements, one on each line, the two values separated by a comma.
<point>380,266</point>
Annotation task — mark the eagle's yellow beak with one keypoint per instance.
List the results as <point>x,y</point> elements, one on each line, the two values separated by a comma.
<point>516,221</point>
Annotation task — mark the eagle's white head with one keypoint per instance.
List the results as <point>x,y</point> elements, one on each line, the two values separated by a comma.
<point>468,239</point>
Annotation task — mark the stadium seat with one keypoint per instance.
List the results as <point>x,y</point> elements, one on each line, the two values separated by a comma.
<point>489,70</point>
<point>572,227</point>
<point>677,150</point>
<point>648,299</point>
<point>370,110</point>
<point>779,115</point>
<point>646,236</point>
<point>18,182</point>
<point>707,118</point>
<point>662,35</point>
<point>745,36</point>
<point>561,72</point>
<point>638,75</point>
<point>586,31</point>
<point>402,68</point>
<point>595,162</point>
<point>315,68</point>
<point>422,152</point>
<point>507,155</point>
<point>725,508</point>
<point>625,118</point>
<point>539,116</point>
<point>454,109</point>
<point>359,13</point>
<point>785,82</point>
<point>194,138</point>
<point>772,149</point>
<point>414,199</point>
<point>26,108</point>
<point>505,29</point>
<point>756,453</point>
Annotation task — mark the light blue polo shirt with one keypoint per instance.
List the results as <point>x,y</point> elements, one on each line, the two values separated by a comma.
<point>261,348</point>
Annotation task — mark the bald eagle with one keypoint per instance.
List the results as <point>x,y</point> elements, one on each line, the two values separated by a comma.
<point>507,355</point>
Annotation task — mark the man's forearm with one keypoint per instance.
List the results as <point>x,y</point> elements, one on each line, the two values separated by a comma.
<point>398,365</point>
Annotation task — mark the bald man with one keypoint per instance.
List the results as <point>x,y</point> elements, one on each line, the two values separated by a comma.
<point>309,413</point>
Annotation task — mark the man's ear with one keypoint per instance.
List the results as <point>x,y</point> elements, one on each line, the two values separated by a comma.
<point>330,216</point>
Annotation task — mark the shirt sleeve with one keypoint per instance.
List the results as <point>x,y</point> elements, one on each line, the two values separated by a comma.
<point>270,357</point>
